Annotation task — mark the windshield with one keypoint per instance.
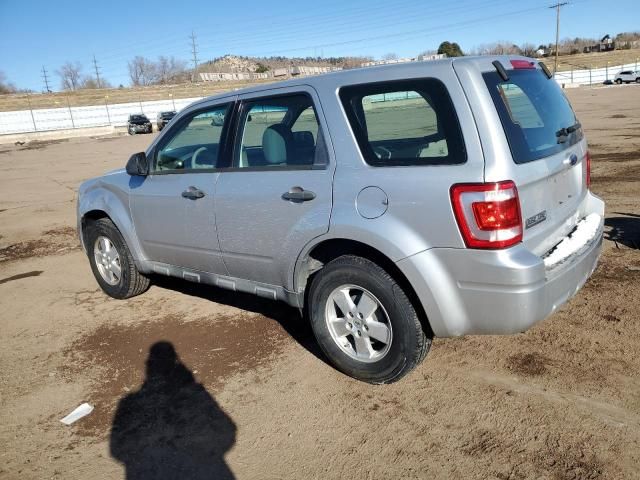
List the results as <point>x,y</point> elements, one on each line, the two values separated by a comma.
<point>535,114</point>
<point>138,118</point>
<point>168,114</point>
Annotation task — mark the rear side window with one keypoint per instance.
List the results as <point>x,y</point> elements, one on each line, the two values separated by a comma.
<point>535,114</point>
<point>408,122</point>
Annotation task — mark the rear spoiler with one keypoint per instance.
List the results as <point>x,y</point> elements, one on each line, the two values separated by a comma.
<point>519,65</point>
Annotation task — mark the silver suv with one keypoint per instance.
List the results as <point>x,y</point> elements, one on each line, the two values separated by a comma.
<point>627,76</point>
<point>389,204</point>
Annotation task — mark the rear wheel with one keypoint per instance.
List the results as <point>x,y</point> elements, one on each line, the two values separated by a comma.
<point>638,80</point>
<point>619,81</point>
<point>364,321</point>
<point>111,261</point>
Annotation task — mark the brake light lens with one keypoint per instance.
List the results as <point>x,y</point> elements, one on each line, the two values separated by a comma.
<point>588,162</point>
<point>488,214</point>
<point>523,65</point>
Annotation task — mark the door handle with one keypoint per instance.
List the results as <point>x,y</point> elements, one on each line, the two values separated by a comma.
<point>193,193</point>
<point>298,194</point>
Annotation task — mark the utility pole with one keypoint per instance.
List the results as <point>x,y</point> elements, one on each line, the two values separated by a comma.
<point>45,77</point>
<point>194,52</point>
<point>95,65</point>
<point>557,7</point>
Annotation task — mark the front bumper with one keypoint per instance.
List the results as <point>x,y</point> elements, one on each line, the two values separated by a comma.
<point>466,291</point>
<point>141,128</point>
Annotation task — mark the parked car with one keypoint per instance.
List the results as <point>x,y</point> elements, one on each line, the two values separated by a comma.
<point>627,76</point>
<point>389,204</point>
<point>163,118</point>
<point>138,123</point>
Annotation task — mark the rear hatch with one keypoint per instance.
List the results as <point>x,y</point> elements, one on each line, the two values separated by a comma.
<point>548,151</point>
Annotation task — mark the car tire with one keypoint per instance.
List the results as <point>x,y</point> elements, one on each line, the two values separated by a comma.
<point>638,80</point>
<point>619,82</point>
<point>379,347</point>
<point>131,132</point>
<point>102,237</point>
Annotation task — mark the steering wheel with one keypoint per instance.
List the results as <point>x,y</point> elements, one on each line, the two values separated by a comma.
<point>194,158</point>
<point>382,153</point>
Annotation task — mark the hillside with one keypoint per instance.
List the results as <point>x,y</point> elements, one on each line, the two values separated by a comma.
<point>234,63</point>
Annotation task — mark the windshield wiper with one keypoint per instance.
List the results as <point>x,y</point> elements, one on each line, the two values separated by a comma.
<point>563,133</point>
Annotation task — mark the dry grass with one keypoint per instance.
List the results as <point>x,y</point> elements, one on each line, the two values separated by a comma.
<point>596,60</point>
<point>116,95</point>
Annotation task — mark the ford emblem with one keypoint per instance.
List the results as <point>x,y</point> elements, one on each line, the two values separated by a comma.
<point>573,159</point>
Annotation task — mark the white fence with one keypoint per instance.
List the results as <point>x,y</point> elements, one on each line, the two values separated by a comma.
<point>593,76</point>
<point>40,120</point>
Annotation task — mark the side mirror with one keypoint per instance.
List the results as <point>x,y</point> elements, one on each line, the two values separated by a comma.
<point>138,165</point>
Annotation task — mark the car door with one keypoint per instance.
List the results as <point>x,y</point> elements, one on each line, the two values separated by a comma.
<point>277,195</point>
<point>173,207</point>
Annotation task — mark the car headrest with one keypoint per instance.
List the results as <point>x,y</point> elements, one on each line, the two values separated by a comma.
<point>276,142</point>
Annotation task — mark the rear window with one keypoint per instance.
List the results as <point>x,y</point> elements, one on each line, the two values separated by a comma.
<point>535,114</point>
<point>407,122</point>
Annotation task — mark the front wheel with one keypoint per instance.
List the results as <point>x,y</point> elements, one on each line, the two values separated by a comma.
<point>619,82</point>
<point>111,261</point>
<point>364,321</point>
<point>638,80</point>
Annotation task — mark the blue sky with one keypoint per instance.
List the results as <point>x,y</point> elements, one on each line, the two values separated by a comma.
<point>37,33</point>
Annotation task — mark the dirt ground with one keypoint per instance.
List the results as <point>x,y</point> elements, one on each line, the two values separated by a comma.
<point>253,397</point>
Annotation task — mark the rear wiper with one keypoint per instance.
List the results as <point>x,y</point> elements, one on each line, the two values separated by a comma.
<point>564,133</point>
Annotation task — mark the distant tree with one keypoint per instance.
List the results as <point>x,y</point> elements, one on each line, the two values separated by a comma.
<point>168,69</point>
<point>498,48</point>
<point>450,49</point>
<point>90,83</point>
<point>528,49</point>
<point>142,71</point>
<point>70,75</point>
<point>6,86</point>
<point>262,68</point>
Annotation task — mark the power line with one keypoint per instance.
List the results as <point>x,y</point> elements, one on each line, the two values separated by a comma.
<point>557,7</point>
<point>95,65</point>
<point>194,52</point>
<point>46,80</point>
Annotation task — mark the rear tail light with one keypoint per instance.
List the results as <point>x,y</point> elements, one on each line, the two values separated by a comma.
<point>588,162</point>
<point>488,214</point>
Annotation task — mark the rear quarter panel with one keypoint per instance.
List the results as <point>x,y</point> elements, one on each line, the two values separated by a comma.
<point>419,214</point>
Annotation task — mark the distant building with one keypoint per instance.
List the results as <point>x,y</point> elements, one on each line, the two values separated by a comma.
<point>606,44</point>
<point>419,58</point>
<point>293,71</point>
<point>433,56</point>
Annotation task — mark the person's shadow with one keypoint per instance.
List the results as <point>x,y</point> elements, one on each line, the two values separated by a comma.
<point>171,428</point>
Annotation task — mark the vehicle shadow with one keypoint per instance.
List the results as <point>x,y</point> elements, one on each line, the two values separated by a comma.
<point>624,230</point>
<point>288,317</point>
<point>171,427</point>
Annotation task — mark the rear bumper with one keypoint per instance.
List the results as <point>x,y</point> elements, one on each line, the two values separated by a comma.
<point>466,291</point>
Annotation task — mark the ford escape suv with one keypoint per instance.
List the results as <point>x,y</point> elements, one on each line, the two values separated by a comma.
<point>390,204</point>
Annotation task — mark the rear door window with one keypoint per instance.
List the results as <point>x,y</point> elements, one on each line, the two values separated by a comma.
<point>408,122</point>
<point>535,114</point>
<point>279,132</point>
